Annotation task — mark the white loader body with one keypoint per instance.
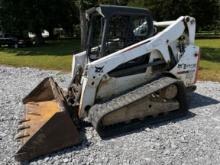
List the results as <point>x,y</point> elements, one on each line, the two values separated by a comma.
<point>99,85</point>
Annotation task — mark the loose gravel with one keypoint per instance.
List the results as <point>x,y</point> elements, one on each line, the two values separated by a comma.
<point>194,139</point>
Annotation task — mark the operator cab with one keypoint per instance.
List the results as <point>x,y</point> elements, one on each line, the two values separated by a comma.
<point>112,28</point>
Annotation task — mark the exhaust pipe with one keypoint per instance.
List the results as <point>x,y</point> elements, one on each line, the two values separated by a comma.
<point>47,125</point>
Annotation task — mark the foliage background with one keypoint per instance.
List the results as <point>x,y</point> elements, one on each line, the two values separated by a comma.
<point>22,16</point>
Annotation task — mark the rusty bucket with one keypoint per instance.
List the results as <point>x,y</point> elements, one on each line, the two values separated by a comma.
<point>47,125</point>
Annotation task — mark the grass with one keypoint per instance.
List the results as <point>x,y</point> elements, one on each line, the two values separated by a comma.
<point>210,59</point>
<point>57,55</point>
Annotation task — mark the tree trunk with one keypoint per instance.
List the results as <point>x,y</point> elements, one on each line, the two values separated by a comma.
<point>51,33</point>
<point>83,27</point>
<point>39,39</point>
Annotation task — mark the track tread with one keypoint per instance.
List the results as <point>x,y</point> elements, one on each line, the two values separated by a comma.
<point>98,111</point>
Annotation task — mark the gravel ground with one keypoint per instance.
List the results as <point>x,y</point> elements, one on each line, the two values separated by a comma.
<point>194,139</point>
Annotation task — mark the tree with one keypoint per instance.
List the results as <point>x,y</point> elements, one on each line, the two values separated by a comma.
<point>84,5</point>
<point>20,16</point>
<point>205,11</point>
<point>10,21</point>
<point>59,14</point>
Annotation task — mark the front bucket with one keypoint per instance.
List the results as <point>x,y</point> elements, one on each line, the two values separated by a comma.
<point>47,125</point>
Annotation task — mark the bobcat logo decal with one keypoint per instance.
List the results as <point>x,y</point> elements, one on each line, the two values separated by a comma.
<point>99,69</point>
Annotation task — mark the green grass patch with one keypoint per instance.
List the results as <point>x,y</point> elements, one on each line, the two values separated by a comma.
<point>209,70</point>
<point>55,55</point>
<point>209,43</point>
<point>210,59</point>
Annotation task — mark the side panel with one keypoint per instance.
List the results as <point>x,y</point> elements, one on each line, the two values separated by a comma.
<point>109,86</point>
<point>187,67</point>
<point>88,92</point>
<point>79,60</point>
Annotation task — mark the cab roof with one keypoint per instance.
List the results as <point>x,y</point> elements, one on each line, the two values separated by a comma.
<point>109,10</point>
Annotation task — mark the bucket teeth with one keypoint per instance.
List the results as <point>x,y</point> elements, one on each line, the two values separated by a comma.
<point>21,135</point>
<point>34,113</point>
<point>33,103</point>
<point>24,120</point>
<point>21,127</point>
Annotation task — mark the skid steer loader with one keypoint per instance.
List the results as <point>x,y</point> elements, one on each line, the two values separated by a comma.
<point>134,71</point>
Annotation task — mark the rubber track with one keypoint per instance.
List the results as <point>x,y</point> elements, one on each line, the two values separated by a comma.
<point>98,111</point>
